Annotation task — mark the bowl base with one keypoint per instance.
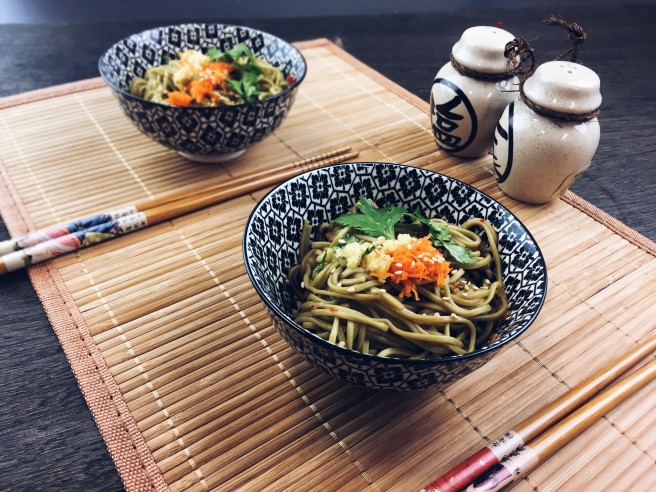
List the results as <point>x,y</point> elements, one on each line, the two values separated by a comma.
<point>212,158</point>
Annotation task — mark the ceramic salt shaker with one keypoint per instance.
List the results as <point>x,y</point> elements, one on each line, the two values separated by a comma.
<point>470,92</point>
<point>547,138</point>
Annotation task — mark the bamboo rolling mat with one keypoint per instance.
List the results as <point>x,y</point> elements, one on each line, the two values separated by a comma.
<point>189,383</point>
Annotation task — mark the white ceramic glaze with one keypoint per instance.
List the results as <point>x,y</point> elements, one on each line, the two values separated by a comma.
<point>537,158</point>
<point>565,87</point>
<point>481,48</point>
<point>464,110</point>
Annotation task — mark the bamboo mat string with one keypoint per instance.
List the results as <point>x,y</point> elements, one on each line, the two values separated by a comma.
<point>26,162</point>
<point>346,125</point>
<point>113,148</point>
<point>139,366</point>
<point>370,92</point>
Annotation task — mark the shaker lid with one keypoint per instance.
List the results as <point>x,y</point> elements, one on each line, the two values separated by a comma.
<point>481,49</point>
<point>565,87</point>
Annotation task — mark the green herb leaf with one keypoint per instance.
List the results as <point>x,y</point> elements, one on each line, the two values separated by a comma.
<point>348,238</point>
<point>240,55</point>
<point>214,54</point>
<point>370,249</point>
<point>375,222</point>
<point>322,263</point>
<point>246,87</point>
<point>244,81</point>
<point>458,252</point>
<point>441,236</point>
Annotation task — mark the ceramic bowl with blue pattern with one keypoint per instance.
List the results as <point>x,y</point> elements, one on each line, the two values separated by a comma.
<point>204,134</point>
<point>271,247</point>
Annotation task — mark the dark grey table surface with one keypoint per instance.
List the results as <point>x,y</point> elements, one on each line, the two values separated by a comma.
<point>48,440</point>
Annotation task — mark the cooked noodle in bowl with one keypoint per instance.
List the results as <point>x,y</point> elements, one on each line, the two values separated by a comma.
<point>209,79</point>
<point>403,296</point>
<point>390,276</point>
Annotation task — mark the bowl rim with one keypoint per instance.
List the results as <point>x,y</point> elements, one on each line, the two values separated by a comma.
<point>375,358</point>
<point>129,95</point>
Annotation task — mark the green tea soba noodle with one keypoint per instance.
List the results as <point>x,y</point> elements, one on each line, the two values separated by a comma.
<point>418,290</point>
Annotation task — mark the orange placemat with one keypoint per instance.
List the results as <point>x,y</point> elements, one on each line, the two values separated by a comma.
<point>193,389</point>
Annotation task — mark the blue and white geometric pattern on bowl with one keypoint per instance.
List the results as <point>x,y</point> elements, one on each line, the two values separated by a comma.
<point>200,131</point>
<point>271,245</point>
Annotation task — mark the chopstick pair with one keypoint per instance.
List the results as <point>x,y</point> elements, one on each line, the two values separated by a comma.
<point>54,241</point>
<point>533,441</point>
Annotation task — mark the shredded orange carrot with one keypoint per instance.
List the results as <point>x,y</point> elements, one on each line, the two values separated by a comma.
<point>215,74</point>
<point>178,98</point>
<point>421,263</point>
<point>199,88</point>
<point>220,71</point>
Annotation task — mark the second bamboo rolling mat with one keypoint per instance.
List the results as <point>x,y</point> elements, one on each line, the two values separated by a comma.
<point>191,386</point>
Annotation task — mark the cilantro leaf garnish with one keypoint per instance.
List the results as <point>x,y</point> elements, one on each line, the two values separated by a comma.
<point>375,222</point>
<point>246,69</point>
<point>378,222</point>
<point>441,236</point>
<point>246,87</point>
<point>322,263</point>
<point>240,55</point>
<point>213,53</point>
<point>369,250</point>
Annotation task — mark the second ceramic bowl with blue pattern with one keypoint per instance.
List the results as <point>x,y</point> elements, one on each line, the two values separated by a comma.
<point>204,134</point>
<point>271,247</point>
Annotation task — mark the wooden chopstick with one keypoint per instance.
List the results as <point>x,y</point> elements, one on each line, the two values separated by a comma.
<point>527,458</point>
<point>98,218</point>
<point>108,230</point>
<point>550,421</point>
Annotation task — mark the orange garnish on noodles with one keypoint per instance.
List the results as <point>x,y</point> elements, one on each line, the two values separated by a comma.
<point>414,263</point>
<point>220,72</point>
<point>200,88</point>
<point>178,98</point>
<point>211,77</point>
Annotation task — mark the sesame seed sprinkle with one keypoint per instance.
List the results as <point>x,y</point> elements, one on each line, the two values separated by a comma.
<point>454,316</point>
<point>350,289</point>
<point>398,272</point>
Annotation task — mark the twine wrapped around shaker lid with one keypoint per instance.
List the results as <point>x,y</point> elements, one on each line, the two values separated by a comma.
<point>561,90</point>
<point>479,54</point>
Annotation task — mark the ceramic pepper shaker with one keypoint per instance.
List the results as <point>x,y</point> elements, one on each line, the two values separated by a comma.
<point>470,92</point>
<point>547,137</point>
